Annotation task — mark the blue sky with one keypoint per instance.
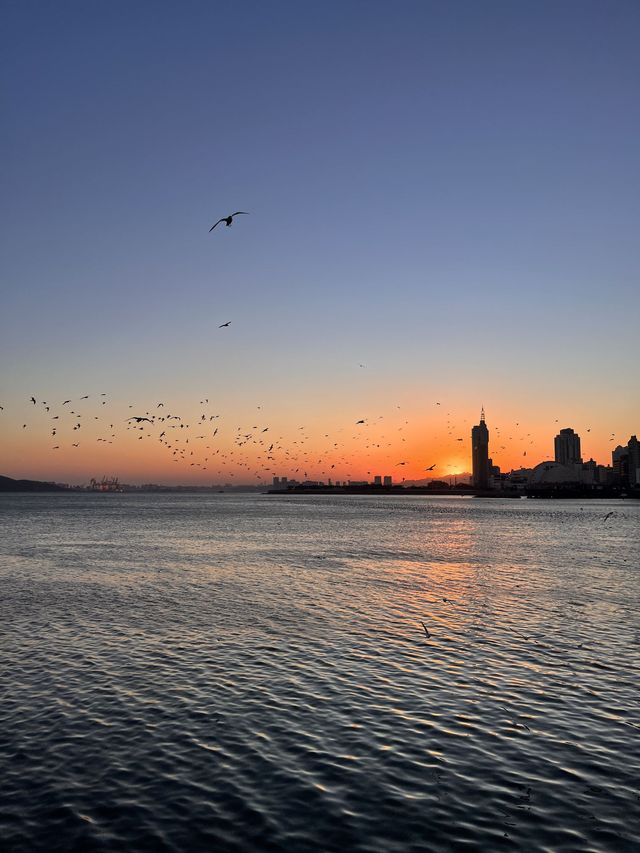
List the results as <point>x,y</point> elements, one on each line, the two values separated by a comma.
<point>447,192</point>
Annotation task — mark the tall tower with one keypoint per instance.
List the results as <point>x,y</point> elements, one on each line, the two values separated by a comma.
<point>567,447</point>
<point>480,454</point>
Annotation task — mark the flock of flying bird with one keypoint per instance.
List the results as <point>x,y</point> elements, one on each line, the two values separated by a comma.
<point>196,439</point>
<point>201,441</point>
<point>200,437</point>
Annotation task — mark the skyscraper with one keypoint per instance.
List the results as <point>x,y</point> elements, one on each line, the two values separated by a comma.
<point>633,452</point>
<point>567,447</point>
<point>480,454</point>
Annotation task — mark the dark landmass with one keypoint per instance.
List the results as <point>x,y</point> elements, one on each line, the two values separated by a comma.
<point>556,491</point>
<point>8,484</point>
<point>548,492</point>
<point>394,490</point>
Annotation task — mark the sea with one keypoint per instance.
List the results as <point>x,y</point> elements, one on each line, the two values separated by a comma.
<point>186,672</point>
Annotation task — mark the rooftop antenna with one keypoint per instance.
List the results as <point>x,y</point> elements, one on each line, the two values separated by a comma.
<point>482,415</point>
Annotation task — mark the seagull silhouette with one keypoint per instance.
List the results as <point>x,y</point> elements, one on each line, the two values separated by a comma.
<point>431,467</point>
<point>224,325</point>
<point>228,219</point>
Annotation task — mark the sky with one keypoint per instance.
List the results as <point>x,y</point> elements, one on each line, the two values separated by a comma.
<point>443,193</point>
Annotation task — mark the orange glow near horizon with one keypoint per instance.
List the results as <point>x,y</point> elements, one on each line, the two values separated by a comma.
<point>197,443</point>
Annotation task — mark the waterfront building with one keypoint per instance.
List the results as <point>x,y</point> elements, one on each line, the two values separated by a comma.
<point>555,473</point>
<point>633,453</point>
<point>387,481</point>
<point>480,454</point>
<point>377,480</point>
<point>626,463</point>
<point>519,478</point>
<point>496,478</point>
<point>567,447</point>
<point>619,458</point>
<point>594,474</point>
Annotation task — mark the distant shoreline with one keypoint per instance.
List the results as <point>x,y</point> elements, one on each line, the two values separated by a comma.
<point>557,492</point>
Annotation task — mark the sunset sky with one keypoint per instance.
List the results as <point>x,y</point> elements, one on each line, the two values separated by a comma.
<point>444,208</point>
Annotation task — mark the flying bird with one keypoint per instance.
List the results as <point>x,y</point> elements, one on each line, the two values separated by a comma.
<point>224,325</point>
<point>33,400</point>
<point>137,420</point>
<point>228,219</point>
<point>430,468</point>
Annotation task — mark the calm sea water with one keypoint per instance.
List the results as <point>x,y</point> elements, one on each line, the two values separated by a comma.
<point>250,672</point>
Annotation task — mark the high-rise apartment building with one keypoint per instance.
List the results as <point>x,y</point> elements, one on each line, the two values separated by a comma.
<point>626,463</point>
<point>633,451</point>
<point>567,447</point>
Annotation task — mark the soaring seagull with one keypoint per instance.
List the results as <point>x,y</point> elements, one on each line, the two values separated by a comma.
<point>228,219</point>
<point>224,325</point>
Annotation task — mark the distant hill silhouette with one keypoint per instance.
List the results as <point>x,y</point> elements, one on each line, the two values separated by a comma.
<point>8,484</point>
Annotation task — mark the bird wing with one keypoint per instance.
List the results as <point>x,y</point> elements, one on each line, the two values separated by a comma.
<point>238,212</point>
<point>217,223</point>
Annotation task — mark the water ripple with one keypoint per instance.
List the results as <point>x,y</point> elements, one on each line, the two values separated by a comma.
<point>242,672</point>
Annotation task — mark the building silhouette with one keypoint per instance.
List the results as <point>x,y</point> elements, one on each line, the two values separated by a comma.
<point>567,447</point>
<point>633,453</point>
<point>480,454</point>
<point>626,463</point>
